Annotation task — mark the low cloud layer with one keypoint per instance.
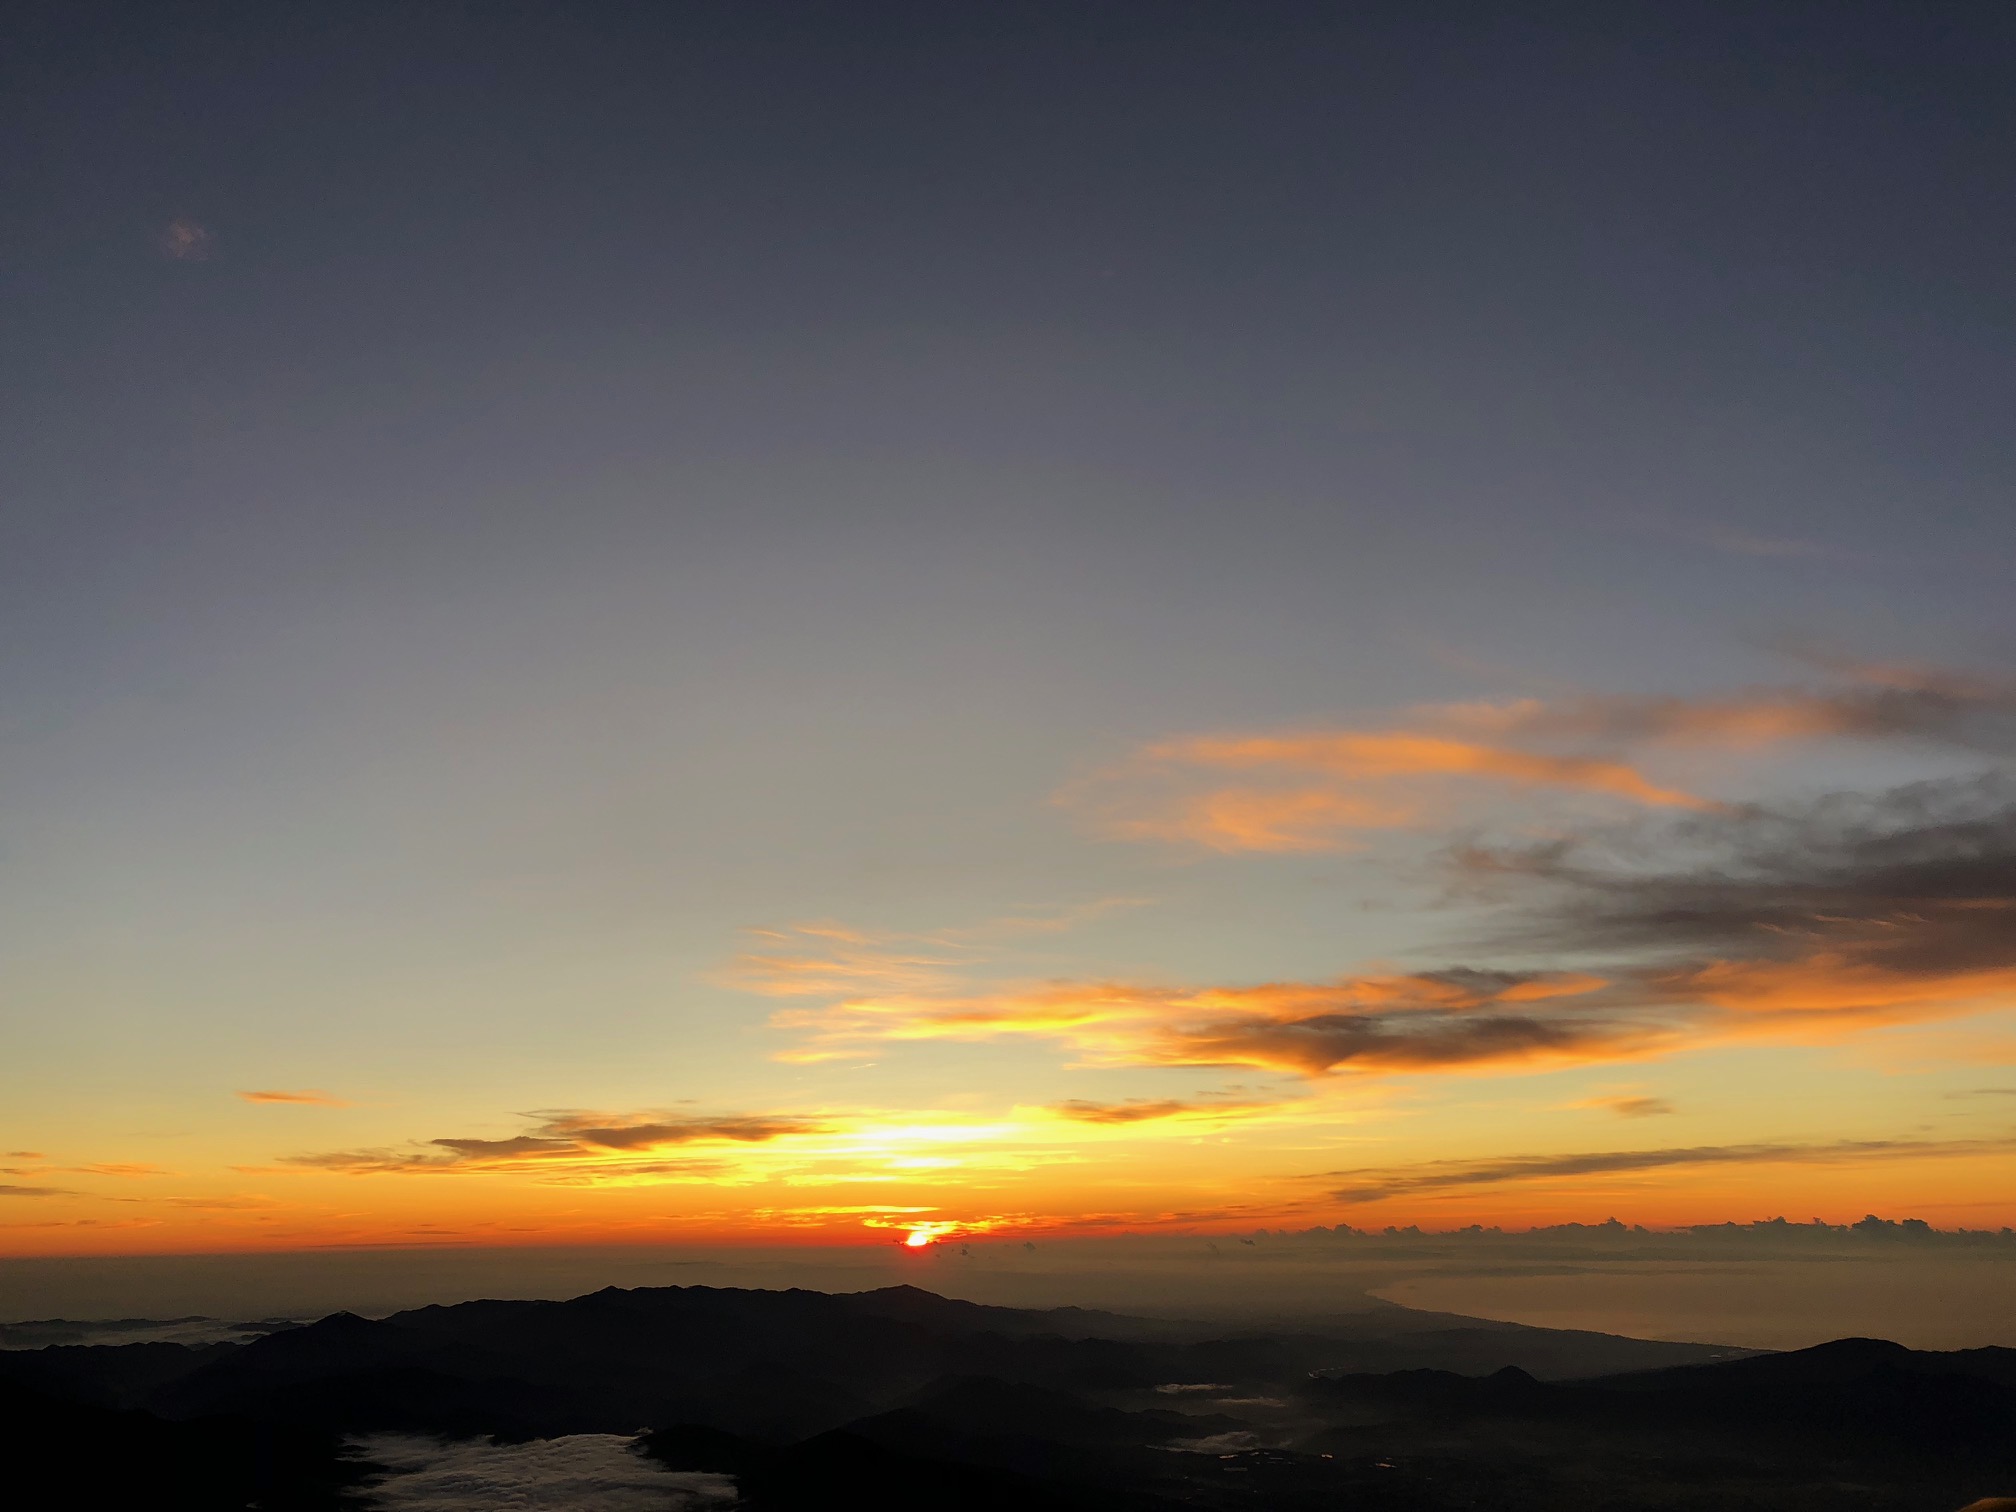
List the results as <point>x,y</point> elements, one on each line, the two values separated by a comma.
<point>583,1472</point>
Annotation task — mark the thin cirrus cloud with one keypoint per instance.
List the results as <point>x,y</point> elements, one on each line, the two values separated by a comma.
<point>1745,544</point>
<point>1314,789</point>
<point>825,959</point>
<point>1305,790</point>
<point>306,1097</point>
<point>237,1204</point>
<point>35,1191</point>
<point>1628,1107</point>
<point>119,1169</point>
<point>1377,1183</point>
<point>1137,1110</point>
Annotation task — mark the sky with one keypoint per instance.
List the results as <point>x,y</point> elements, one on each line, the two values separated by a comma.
<point>897,624</point>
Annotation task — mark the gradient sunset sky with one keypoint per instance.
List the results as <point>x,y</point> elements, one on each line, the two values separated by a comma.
<point>830,622</point>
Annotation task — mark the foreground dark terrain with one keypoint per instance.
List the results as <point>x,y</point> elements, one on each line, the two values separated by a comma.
<point>817,1401</point>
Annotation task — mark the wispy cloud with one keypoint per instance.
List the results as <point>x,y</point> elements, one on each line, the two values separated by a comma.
<point>1315,789</point>
<point>826,959</point>
<point>1377,1183</point>
<point>1801,924</point>
<point>1400,1022</point>
<point>1307,790</point>
<point>185,240</point>
<point>817,961</point>
<point>1135,1110</point>
<point>1627,1107</point>
<point>1852,911</point>
<point>1744,543</point>
<point>230,1204</point>
<point>573,1139</point>
<point>1732,540</point>
<point>306,1097</point>
<point>118,1168</point>
<point>121,1169</point>
<point>35,1191</point>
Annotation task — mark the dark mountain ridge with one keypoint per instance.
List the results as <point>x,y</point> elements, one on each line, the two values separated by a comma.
<point>831,1401</point>
<point>1881,1425</point>
<point>774,1364</point>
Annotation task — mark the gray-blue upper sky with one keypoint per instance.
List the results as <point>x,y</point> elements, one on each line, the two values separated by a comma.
<point>493,498</point>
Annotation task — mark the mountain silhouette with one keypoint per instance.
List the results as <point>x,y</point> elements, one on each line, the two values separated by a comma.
<point>814,1400</point>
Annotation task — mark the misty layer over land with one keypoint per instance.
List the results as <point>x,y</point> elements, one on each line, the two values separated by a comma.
<point>801,1399</point>
<point>1771,1284</point>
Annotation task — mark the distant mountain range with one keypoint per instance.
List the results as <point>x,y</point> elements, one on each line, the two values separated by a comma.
<point>832,1401</point>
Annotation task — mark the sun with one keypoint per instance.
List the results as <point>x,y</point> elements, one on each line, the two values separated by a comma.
<point>917,1238</point>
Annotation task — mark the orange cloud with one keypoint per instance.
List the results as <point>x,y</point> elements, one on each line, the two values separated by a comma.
<point>1367,780</point>
<point>1254,819</point>
<point>305,1098</point>
<point>1310,789</point>
<point>1828,992</point>
<point>1409,1022</point>
<point>1136,1110</point>
<point>1404,753</point>
<point>1869,701</point>
<point>1457,1019</point>
<point>1815,922</point>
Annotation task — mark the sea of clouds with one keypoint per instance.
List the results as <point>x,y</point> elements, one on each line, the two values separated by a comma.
<point>583,1472</point>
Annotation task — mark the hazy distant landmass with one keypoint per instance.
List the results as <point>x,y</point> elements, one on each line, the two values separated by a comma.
<point>699,1396</point>
<point>1771,1284</point>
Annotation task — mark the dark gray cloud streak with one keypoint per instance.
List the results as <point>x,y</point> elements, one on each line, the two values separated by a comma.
<point>1402,1041</point>
<point>1375,1184</point>
<point>1918,877</point>
<point>569,1137</point>
<point>1877,905</point>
